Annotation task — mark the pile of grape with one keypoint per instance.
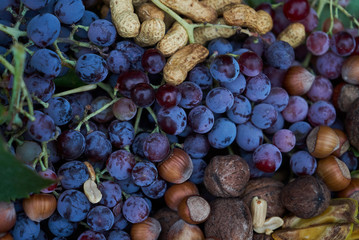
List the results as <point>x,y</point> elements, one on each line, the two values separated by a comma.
<point>116,143</point>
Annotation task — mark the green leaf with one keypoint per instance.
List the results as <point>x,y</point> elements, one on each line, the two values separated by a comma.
<point>17,180</point>
<point>255,3</point>
<point>352,8</point>
<point>69,80</point>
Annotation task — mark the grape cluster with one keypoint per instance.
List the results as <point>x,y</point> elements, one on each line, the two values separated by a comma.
<point>119,135</point>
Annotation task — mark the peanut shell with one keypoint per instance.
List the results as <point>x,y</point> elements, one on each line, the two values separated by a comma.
<point>152,31</point>
<point>294,34</point>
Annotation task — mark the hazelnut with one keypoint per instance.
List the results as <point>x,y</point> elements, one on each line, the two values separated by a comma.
<point>306,196</point>
<point>167,218</point>
<point>351,191</point>
<point>298,80</point>
<point>343,143</point>
<point>268,189</point>
<point>175,194</point>
<point>194,209</point>
<point>226,176</point>
<point>350,70</point>
<point>352,123</point>
<point>39,206</point>
<point>322,141</point>
<point>181,230</point>
<point>7,216</point>
<point>344,94</point>
<point>230,218</point>
<point>147,230</point>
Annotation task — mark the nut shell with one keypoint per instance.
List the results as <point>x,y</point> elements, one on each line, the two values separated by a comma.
<point>7,216</point>
<point>294,34</point>
<point>177,192</point>
<point>194,209</point>
<point>149,229</point>
<point>352,123</point>
<point>167,218</point>
<point>181,230</point>
<point>226,176</point>
<point>298,80</point>
<point>350,70</point>
<point>306,196</point>
<point>39,206</point>
<point>151,31</point>
<point>322,141</point>
<point>351,191</point>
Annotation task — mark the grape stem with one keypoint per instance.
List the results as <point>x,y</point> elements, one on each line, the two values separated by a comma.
<point>44,104</point>
<point>15,33</point>
<point>138,117</point>
<point>67,62</point>
<point>7,65</point>
<point>107,88</point>
<point>330,30</point>
<point>153,115</point>
<point>85,88</point>
<point>345,12</point>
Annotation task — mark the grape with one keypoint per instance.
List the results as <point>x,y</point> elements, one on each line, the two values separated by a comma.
<point>321,89</point>
<point>73,205</point>
<point>318,43</point>
<point>296,10</point>
<point>250,64</point>
<point>284,140</point>
<point>59,110</point>
<point>117,62</point>
<point>111,193</point>
<point>196,145</point>
<point>86,20</point>
<point>220,45</point>
<point>278,98</point>
<point>296,110</point>
<point>100,218</point>
<point>118,234</point>
<point>321,113</point>
<point>73,174</point>
<point>219,100</point>
<point>128,186</point>
<point>300,130</point>
<point>254,172</point>
<point>133,53</point>
<point>121,134</point>
<point>267,158</point>
<point>156,189</point>
<point>98,147</point>
<point>222,134</point>
<point>129,79</point>
<point>199,166</point>
<point>42,128</point>
<point>201,75</point>
<point>5,3</point>
<point>43,29</point>
<point>49,174</point>
<point>350,160</point>
<point>71,144</point>
<point>69,11</point>
<point>120,221</point>
<point>135,209</point>
<point>310,22</point>
<point>104,116</point>
<point>258,88</point>
<point>156,147</point>
<point>191,94</point>
<point>356,50</point>
<point>43,236</point>
<point>102,33</point>
<point>302,163</point>
<point>264,115</point>
<point>153,61</point>
<point>46,62</point>
<point>279,55</point>
<point>143,95</point>
<point>91,68</point>
<point>124,109</point>
<point>337,25</point>
<point>201,119</point>
<point>168,96</point>
<point>329,65</point>
<point>61,227</point>
<point>269,38</point>
<point>255,44</point>
<point>137,145</point>
<point>276,76</point>
<point>279,124</point>
<point>224,68</point>
<point>240,111</point>
<point>41,87</point>
<point>91,235</point>
<point>144,173</point>
<point>248,137</point>
<point>172,120</point>
<point>120,164</point>
<point>25,229</point>
<point>342,43</point>
<point>237,86</point>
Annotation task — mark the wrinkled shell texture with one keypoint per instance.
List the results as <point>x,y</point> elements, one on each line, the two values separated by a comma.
<point>204,34</point>
<point>294,34</point>
<point>352,123</point>
<point>151,32</point>
<point>175,38</point>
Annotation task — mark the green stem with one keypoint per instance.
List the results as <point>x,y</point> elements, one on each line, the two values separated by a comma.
<point>346,13</point>
<point>15,136</point>
<point>230,150</point>
<point>15,33</point>
<point>321,7</point>
<point>79,44</point>
<point>277,5</point>
<point>85,88</point>
<point>7,65</point>
<point>330,30</point>
<point>152,114</point>
<point>45,155</point>
<point>107,88</point>
<point>307,59</point>
<point>44,104</point>
<point>67,62</point>
<point>88,117</point>
<point>138,117</point>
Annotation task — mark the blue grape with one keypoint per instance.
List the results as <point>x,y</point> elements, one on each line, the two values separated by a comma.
<point>86,20</point>
<point>128,186</point>
<point>144,173</point>
<point>104,116</point>
<point>120,220</point>
<point>264,115</point>
<point>121,134</point>
<point>91,68</point>
<point>71,144</point>
<point>329,65</point>
<point>117,62</point>
<point>156,189</point>
<point>201,75</point>
<point>34,4</point>
<point>301,130</point>
<point>284,140</point>
<point>241,110</point>
<point>100,218</point>
<point>278,97</point>
<point>91,235</point>
<point>102,33</point>
<point>220,45</point>
<point>224,68</point>
<point>43,29</point>
<point>254,44</point>
<point>137,145</point>
<point>222,134</point>
<point>321,113</point>
<point>156,147</point>
<point>201,119</point>
<point>249,137</point>
<point>98,147</point>
<point>69,11</point>
<point>39,86</point>
<point>135,209</point>
<point>42,128</point>
<point>191,94</point>
<point>302,163</point>
<point>61,227</point>
<point>25,229</point>
<point>133,53</point>
<point>279,124</point>
<point>172,120</point>
<point>258,88</point>
<point>296,110</point>
<point>120,164</point>
<point>73,174</point>
<point>350,160</point>
<point>118,235</point>
<point>46,62</point>
<point>59,110</point>
<point>73,205</point>
<point>279,55</point>
<point>5,3</point>
<point>63,46</point>
<point>199,166</point>
<point>43,236</point>
<point>321,89</point>
<point>219,100</point>
<point>5,39</point>
<point>196,145</point>
<point>111,193</point>
<point>237,86</point>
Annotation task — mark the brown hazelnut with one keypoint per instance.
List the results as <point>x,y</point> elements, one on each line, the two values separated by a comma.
<point>177,167</point>
<point>194,209</point>
<point>268,189</point>
<point>226,176</point>
<point>39,206</point>
<point>352,123</point>
<point>6,237</point>
<point>306,196</point>
<point>350,70</point>
<point>344,94</point>
<point>322,141</point>
<point>343,143</point>
<point>181,230</point>
<point>7,216</point>
<point>167,218</point>
<point>298,80</point>
<point>230,218</point>
<point>147,230</point>
<point>351,191</point>
<point>175,194</point>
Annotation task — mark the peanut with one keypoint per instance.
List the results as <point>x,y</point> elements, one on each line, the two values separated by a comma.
<point>192,9</point>
<point>220,5</point>
<point>259,211</point>
<point>178,66</point>
<point>124,18</point>
<point>149,10</point>
<point>294,34</point>
<point>175,38</point>
<point>245,16</point>
<point>90,170</point>
<point>137,3</point>
<point>91,191</point>
<point>152,31</point>
<point>269,225</point>
<point>204,34</point>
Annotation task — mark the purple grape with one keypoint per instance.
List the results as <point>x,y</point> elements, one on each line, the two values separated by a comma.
<point>71,144</point>
<point>191,95</point>
<point>199,166</point>
<point>321,113</point>
<point>43,29</point>
<point>59,110</point>
<point>100,218</point>
<point>278,124</point>
<point>86,20</point>
<point>156,189</point>
<point>254,44</point>
<point>121,134</point>
<point>300,130</point>
<point>135,209</point>
<point>350,160</point>
<point>73,174</point>
<point>98,147</point>
<point>241,110</point>
<point>237,86</point>
<point>41,87</point>
<point>69,11</point>
<point>61,227</point>
<point>219,45</point>
<point>201,75</point>
<point>124,109</point>
<point>278,97</point>
<point>117,62</point>
<point>219,100</point>
<point>172,120</point>
<point>250,64</point>
<point>224,68</point>
<point>258,88</point>
<point>302,163</point>
<point>201,119</point>
<point>144,173</point>
<point>318,43</point>
<point>25,229</point>
<point>168,96</point>
<point>329,65</point>
<point>248,137</point>
<point>91,68</point>
<point>46,62</point>
<point>102,33</point>
<point>284,140</point>
<point>73,205</point>
<point>264,115</point>
<point>42,128</point>
<point>91,235</point>
<point>296,110</point>
<point>143,95</point>
<point>156,147</point>
<point>153,61</point>
<point>196,145</point>
<point>267,158</point>
<point>254,172</point>
<point>111,193</point>
<point>279,55</point>
<point>104,116</point>
<point>342,43</point>
<point>322,89</point>
<point>222,134</point>
<point>137,145</point>
<point>120,164</point>
<point>276,76</point>
<point>129,79</point>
